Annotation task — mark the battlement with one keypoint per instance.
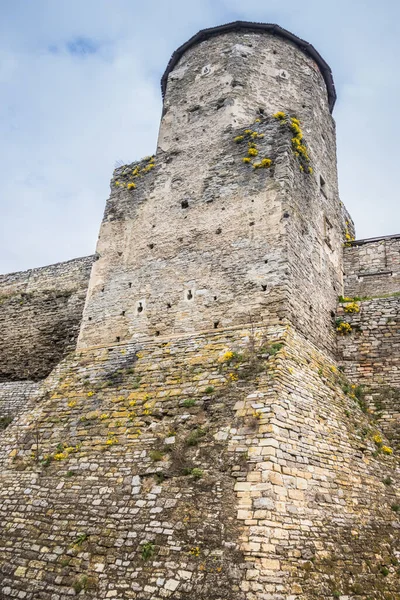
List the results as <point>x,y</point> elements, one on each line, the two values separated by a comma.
<point>372,266</point>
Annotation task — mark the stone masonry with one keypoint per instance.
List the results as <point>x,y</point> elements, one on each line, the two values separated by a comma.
<point>226,426</point>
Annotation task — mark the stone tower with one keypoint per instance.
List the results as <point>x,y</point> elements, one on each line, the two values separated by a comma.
<point>204,441</point>
<point>199,239</point>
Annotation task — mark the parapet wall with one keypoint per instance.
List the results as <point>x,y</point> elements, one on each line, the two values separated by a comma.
<point>372,267</point>
<point>40,316</point>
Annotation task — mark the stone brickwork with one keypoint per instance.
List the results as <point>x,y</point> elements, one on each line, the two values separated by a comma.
<point>203,441</point>
<point>223,465</point>
<point>371,358</point>
<point>204,240</point>
<point>371,352</point>
<point>14,396</point>
<point>40,315</point>
<point>372,267</point>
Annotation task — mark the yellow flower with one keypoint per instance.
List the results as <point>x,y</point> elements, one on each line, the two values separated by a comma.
<point>111,441</point>
<point>104,416</point>
<point>353,307</point>
<point>254,134</point>
<point>227,356</point>
<point>131,185</point>
<point>295,121</point>
<point>72,403</point>
<point>246,159</point>
<point>279,115</point>
<point>301,168</point>
<point>257,121</point>
<point>344,328</point>
<point>377,439</point>
<point>90,394</point>
<point>135,171</point>
<point>310,170</point>
<point>296,129</point>
<point>248,131</point>
<point>117,183</point>
<point>252,152</point>
<point>266,162</point>
<point>296,142</point>
<point>233,376</point>
<point>387,450</point>
<point>238,139</point>
<point>60,456</point>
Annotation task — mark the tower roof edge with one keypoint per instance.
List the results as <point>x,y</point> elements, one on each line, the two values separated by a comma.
<point>307,48</point>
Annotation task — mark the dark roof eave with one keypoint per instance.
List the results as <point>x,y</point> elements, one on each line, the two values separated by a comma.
<point>307,48</point>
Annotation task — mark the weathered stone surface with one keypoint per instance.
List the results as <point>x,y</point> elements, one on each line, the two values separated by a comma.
<point>40,315</point>
<point>203,441</point>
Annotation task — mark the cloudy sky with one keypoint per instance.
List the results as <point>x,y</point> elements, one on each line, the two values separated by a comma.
<point>79,90</point>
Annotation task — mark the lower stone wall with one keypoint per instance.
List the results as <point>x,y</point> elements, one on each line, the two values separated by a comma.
<point>14,396</point>
<point>370,356</point>
<point>227,465</point>
<point>40,316</point>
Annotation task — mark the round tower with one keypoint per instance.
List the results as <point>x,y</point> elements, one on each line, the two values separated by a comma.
<point>224,76</point>
<point>239,216</point>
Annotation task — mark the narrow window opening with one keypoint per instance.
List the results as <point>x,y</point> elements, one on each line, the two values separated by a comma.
<point>189,295</point>
<point>90,318</point>
<point>102,289</point>
<point>261,111</point>
<point>129,284</point>
<point>215,297</point>
<point>119,253</point>
<point>220,103</point>
<point>311,308</point>
<point>264,288</point>
<point>140,307</point>
<point>266,260</point>
<point>123,313</point>
<point>118,339</point>
<point>333,315</point>
<point>251,223</point>
<point>219,230</point>
<point>157,333</point>
<point>168,305</point>
<point>322,186</point>
<point>185,204</point>
<point>216,324</point>
<point>151,246</point>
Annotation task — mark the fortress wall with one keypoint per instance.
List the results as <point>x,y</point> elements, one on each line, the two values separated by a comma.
<point>372,267</point>
<point>40,316</point>
<point>370,355</point>
<point>14,396</point>
<point>204,240</point>
<point>289,501</point>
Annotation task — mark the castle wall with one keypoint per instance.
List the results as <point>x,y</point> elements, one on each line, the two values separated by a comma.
<point>370,354</point>
<point>40,316</point>
<point>205,241</point>
<point>14,396</point>
<point>372,267</point>
<point>177,472</point>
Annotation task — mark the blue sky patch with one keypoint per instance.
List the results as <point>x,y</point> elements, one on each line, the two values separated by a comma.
<point>82,46</point>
